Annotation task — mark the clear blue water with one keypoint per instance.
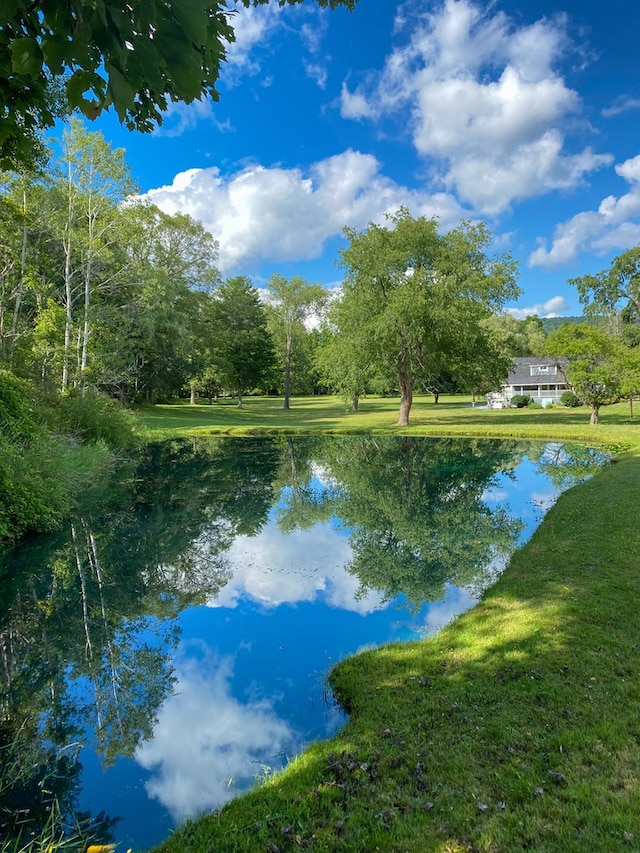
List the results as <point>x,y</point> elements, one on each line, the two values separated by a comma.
<point>177,638</point>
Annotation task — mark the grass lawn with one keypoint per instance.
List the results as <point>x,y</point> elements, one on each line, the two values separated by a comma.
<point>451,416</point>
<point>518,726</point>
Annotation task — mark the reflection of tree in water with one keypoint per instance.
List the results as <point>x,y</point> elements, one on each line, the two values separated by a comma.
<point>96,612</point>
<point>415,510</point>
<point>566,464</point>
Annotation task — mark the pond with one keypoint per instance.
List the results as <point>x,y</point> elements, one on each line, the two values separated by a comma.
<point>171,646</point>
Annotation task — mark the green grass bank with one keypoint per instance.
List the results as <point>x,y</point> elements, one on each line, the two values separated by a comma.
<point>518,726</point>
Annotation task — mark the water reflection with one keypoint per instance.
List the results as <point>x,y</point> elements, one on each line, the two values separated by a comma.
<point>179,633</point>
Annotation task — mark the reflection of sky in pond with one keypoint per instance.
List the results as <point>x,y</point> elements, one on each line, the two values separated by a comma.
<point>252,663</point>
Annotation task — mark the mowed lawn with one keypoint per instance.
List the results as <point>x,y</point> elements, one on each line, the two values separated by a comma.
<point>452,415</point>
<point>516,728</point>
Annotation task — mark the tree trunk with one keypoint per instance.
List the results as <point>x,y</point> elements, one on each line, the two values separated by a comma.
<point>23,271</point>
<point>406,399</point>
<point>595,410</point>
<point>84,357</point>
<point>68,317</point>
<point>193,395</point>
<point>355,402</point>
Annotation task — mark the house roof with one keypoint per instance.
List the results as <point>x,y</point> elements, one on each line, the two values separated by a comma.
<point>521,371</point>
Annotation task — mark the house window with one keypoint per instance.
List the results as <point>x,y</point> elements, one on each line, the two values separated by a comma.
<point>543,370</point>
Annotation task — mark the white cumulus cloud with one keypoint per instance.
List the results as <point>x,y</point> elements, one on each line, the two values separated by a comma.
<point>275,214</point>
<point>554,307</point>
<point>615,225</point>
<point>485,100</point>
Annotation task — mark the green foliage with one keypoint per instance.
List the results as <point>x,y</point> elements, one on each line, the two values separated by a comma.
<point>291,302</point>
<point>136,58</point>
<point>241,342</point>
<point>520,401</point>
<point>418,301</point>
<point>17,408</point>
<point>599,367</point>
<point>570,400</point>
<point>550,324</point>
<point>45,458</point>
<point>613,289</point>
<point>92,418</point>
<point>518,338</point>
<point>30,498</point>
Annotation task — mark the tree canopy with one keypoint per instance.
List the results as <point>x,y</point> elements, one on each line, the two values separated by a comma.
<point>613,289</point>
<point>135,57</point>
<point>600,368</point>
<point>418,298</point>
<point>292,301</point>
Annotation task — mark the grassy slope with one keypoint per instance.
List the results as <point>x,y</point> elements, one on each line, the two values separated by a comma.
<point>517,727</point>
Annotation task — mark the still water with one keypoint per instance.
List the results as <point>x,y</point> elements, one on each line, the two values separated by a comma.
<point>171,647</point>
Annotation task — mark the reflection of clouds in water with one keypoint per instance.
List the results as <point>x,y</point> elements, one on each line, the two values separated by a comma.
<point>544,500</point>
<point>441,613</point>
<point>302,566</point>
<point>494,495</point>
<point>323,476</point>
<point>206,744</point>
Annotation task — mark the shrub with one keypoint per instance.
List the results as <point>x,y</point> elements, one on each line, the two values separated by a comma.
<point>93,418</point>
<point>520,401</point>
<point>17,404</point>
<point>33,496</point>
<point>570,400</point>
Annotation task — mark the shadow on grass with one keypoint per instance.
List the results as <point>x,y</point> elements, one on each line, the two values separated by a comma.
<point>516,728</point>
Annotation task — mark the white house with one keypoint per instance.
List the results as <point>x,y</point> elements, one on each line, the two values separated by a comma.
<point>537,376</point>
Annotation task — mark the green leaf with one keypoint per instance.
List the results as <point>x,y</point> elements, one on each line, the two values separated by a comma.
<point>121,92</point>
<point>55,51</point>
<point>192,17</point>
<point>8,8</point>
<point>184,64</point>
<point>26,57</point>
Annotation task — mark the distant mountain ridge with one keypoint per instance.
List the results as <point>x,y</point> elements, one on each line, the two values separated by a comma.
<point>550,324</point>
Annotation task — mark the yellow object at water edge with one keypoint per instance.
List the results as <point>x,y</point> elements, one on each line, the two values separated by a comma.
<point>103,848</point>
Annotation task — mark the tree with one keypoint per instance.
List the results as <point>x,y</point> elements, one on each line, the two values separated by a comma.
<point>518,338</point>
<point>615,288</point>
<point>599,366</point>
<point>292,301</point>
<point>418,298</point>
<point>136,57</point>
<point>94,180</point>
<point>241,339</point>
<point>168,272</point>
<point>343,357</point>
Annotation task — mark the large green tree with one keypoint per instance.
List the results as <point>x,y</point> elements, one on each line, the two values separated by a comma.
<point>614,289</point>
<point>242,341</point>
<point>292,301</point>
<point>93,179</point>
<point>598,366</point>
<point>418,298</point>
<point>137,58</point>
<point>344,357</point>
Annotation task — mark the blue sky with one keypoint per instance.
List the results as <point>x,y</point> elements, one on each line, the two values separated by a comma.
<point>523,115</point>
